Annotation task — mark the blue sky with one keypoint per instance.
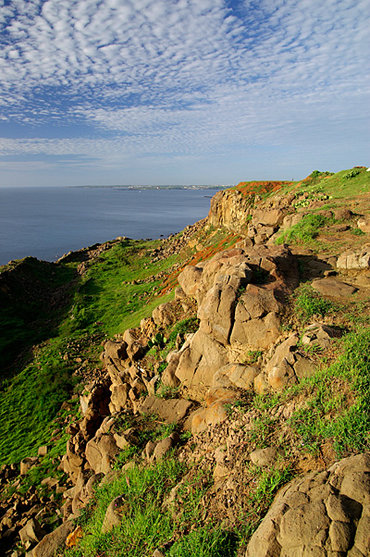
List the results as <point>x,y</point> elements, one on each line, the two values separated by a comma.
<point>181,91</point>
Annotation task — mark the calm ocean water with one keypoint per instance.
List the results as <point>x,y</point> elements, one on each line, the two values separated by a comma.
<point>48,222</point>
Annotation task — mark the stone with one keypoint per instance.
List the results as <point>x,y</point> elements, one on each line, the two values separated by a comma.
<point>74,537</point>
<point>264,457</point>
<point>363,224</point>
<point>332,287</point>
<point>163,315</point>
<point>169,410</point>
<point>205,418</point>
<point>31,533</point>
<point>319,514</point>
<point>256,334</point>
<point>100,453</point>
<point>189,280</point>
<point>164,446</point>
<point>42,451</point>
<point>269,217</point>
<point>340,534</point>
<point>320,335</point>
<point>26,464</point>
<point>168,377</point>
<point>50,543</point>
<point>116,350</point>
<point>235,375</point>
<point>198,363</point>
<point>113,514</point>
<point>342,213</point>
<point>355,259</point>
<point>304,367</point>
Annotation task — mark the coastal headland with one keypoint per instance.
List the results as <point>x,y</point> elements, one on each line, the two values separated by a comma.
<point>206,394</point>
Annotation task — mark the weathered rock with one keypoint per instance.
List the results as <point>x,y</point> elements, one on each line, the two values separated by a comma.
<point>355,259</point>
<point>170,410</point>
<point>330,286</point>
<point>320,335</point>
<point>169,378</point>
<point>26,464</point>
<point>31,533</point>
<point>135,349</point>
<point>198,363</point>
<point>42,451</point>
<point>51,542</point>
<point>113,514</point>
<point>323,514</point>
<point>94,407</point>
<point>363,224</point>
<point>164,315</point>
<point>270,217</point>
<point>100,452</point>
<point>229,209</point>
<point>264,457</point>
<point>215,413</point>
<point>189,279</point>
<point>165,445</point>
<point>235,375</point>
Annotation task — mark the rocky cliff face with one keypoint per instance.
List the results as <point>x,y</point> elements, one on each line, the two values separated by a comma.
<point>242,345</point>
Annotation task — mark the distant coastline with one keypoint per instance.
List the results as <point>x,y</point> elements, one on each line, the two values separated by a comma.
<point>164,187</point>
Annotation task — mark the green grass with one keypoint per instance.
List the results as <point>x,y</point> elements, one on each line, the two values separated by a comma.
<point>31,400</point>
<point>146,524</point>
<point>29,312</point>
<point>112,295</point>
<point>308,303</point>
<point>305,231</point>
<point>338,400</point>
<point>105,302</point>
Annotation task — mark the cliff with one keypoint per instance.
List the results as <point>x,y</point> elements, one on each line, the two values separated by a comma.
<point>226,414</point>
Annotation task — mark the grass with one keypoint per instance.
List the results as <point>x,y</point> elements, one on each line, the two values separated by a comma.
<point>147,524</point>
<point>31,400</point>
<point>338,400</point>
<point>304,231</point>
<point>308,304</point>
<point>34,297</point>
<point>111,297</point>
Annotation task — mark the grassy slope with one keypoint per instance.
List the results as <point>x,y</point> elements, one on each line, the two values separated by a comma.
<point>104,302</point>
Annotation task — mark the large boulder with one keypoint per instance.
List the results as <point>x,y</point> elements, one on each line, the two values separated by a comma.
<point>355,259</point>
<point>100,453</point>
<point>240,293</point>
<point>50,543</point>
<point>170,410</point>
<point>322,514</point>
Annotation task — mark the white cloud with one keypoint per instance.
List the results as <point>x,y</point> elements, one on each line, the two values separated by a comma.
<point>183,76</point>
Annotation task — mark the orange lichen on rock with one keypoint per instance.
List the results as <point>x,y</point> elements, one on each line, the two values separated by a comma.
<point>171,279</point>
<point>258,188</point>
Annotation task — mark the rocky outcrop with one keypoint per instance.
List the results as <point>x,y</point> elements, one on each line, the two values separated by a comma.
<point>355,259</point>
<point>322,514</point>
<point>240,294</point>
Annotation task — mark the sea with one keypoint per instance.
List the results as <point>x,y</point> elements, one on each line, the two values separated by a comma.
<point>46,222</point>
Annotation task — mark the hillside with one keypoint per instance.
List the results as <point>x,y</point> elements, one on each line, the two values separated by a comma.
<point>206,394</point>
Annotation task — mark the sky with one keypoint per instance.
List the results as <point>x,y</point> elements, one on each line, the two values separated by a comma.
<point>181,91</point>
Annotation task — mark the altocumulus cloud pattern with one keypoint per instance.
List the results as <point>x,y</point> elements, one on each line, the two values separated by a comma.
<point>123,85</point>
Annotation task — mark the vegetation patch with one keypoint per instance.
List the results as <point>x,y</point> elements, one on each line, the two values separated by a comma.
<point>308,304</point>
<point>304,231</point>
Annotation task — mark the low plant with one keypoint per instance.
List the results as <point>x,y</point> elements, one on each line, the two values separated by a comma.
<point>308,303</point>
<point>304,231</point>
<point>338,399</point>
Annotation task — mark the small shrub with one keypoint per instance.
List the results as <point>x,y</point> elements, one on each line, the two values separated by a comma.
<point>357,232</point>
<point>352,173</point>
